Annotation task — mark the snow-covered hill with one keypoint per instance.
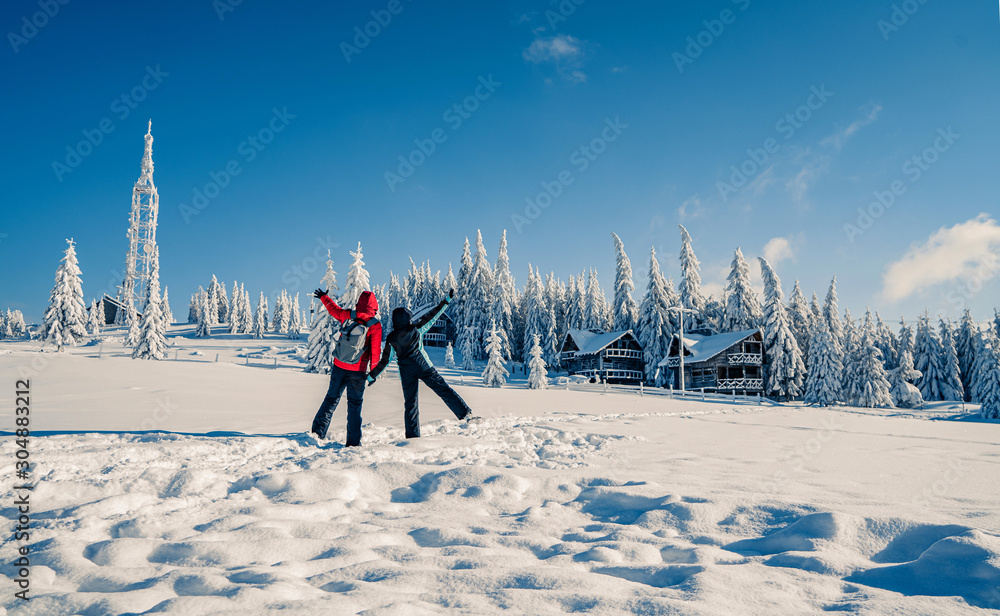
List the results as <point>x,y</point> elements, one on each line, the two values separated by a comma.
<point>187,487</point>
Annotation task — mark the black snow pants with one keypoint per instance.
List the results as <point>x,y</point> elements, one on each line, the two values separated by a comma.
<point>431,378</point>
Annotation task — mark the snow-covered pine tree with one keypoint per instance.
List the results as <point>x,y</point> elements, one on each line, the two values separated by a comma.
<point>854,386</point>
<point>495,374</point>
<point>596,306</point>
<point>358,280</point>
<point>799,318</point>
<point>574,304</point>
<point>450,282</point>
<point>246,321</point>
<point>152,342</point>
<point>205,316</point>
<point>996,321</point>
<point>831,314</point>
<point>824,382</point>
<point>295,320</point>
<point>534,312</point>
<point>213,301</point>
<point>6,329</point>
<point>95,320</point>
<point>224,304</point>
<point>904,393</point>
<point>233,317</point>
<point>260,318</point>
<point>887,343</point>
<point>503,300</point>
<point>871,369</point>
<point>984,356</point>
<point>690,287</point>
<point>131,324</point>
<point>951,375</point>
<point>555,295</point>
<point>653,326</point>
<point>65,320</point>
<point>965,347</point>
<point>742,308</point>
<point>988,387</point>
<point>927,358</point>
<point>267,328</point>
<point>449,356</point>
<point>623,309</point>
<point>192,309</point>
<point>814,310</point>
<point>462,290</point>
<point>165,311</point>
<point>18,324</point>
<point>786,374</point>
<point>549,342</point>
<point>905,338</point>
<point>538,376</point>
<point>480,292</point>
<point>467,346</point>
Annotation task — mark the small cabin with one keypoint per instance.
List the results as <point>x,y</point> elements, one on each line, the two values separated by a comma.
<point>615,357</point>
<point>111,308</point>
<point>723,363</point>
<point>442,332</point>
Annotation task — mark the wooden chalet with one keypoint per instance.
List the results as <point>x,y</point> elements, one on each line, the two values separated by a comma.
<point>723,363</point>
<point>442,332</point>
<point>615,357</point>
<point>111,308</point>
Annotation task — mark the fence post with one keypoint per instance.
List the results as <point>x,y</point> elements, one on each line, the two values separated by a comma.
<point>640,389</point>
<point>702,394</point>
<point>275,363</point>
<point>216,358</point>
<point>176,353</point>
<point>605,385</point>
<point>100,352</point>
<point>758,399</point>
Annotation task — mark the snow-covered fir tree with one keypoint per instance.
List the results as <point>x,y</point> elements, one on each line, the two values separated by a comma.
<point>165,311</point>
<point>6,327</point>
<point>224,304</point>
<point>815,311</point>
<point>449,356</point>
<point>624,312</point>
<point>906,343</point>
<point>742,308</point>
<point>246,318</point>
<point>152,342</point>
<point>549,342</point>
<point>95,320</point>
<point>575,303</point>
<point>236,310</point>
<point>260,318</point>
<point>886,342</point>
<point>495,374</point>
<point>831,314</point>
<point>951,373</point>
<point>501,308</point>
<point>538,375</point>
<point>927,358</point>
<point>65,320</point>
<point>988,386</point>
<point>192,308</point>
<point>131,323</point>
<point>480,292</point>
<point>901,383</point>
<point>653,329</point>
<point>800,319</point>
<point>467,346</point>
<point>205,316</point>
<point>295,320</point>
<point>213,301</point>
<point>555,295</point>
<point>18,325</point>
<point>786,373</point>
<point>324,329</point>
<point>824,381</point>
<point>871,369</point>
<point>282,313</point>
<point>982,363</point>
<point>536,309</point>
<point>462,290</point>
<point>596,311</point>
<point>358,280</point>
<point>965,347</point>
<point>854,386</point>
<point>690,286</point>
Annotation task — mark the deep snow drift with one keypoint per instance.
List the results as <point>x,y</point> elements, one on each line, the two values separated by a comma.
<point>186,487</point>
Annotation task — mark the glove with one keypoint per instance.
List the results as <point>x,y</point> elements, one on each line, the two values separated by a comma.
<point>451,294</point>
<point>319,293</point>
<point>371,381</point>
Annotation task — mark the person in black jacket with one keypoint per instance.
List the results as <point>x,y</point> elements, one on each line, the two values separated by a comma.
<point>406,345</point>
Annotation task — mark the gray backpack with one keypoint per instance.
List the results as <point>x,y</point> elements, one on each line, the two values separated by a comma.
<point>353,339</point>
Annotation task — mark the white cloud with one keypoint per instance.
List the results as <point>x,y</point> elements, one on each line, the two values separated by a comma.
<point>966,252</point>
<point>778,249</point>
<point>555,49</point>
<point>837,139</point>
<point>691,208</point>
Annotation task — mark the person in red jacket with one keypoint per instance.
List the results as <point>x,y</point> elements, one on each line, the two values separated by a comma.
<point>358,348</point>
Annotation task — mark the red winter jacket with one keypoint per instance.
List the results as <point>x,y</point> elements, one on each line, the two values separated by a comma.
<point>366,309</point>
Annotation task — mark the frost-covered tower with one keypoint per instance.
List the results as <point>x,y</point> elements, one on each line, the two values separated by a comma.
<point>141,232</point>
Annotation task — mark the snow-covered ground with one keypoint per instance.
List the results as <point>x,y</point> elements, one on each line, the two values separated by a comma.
<point>187,487</point>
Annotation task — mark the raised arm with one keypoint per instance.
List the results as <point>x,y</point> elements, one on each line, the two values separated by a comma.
<point>331,306</point>
<point>427,321</point>
<point>386,358</point>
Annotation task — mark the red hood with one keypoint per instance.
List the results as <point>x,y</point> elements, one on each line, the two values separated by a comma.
<point>367,305</point>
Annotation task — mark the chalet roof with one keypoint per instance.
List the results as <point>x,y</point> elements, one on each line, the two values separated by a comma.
<point>593,341</point>
<point>702,348</point>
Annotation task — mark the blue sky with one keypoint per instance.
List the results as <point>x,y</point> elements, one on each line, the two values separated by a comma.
<point>637,115</point>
